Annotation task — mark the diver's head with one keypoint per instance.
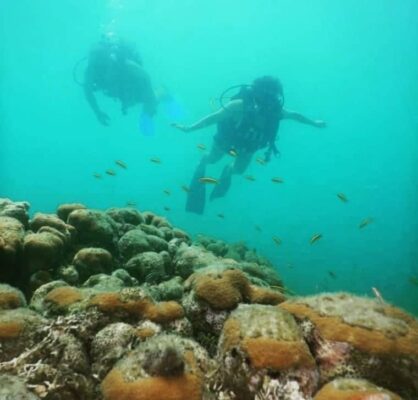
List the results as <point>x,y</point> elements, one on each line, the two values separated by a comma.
<point>268,91</point>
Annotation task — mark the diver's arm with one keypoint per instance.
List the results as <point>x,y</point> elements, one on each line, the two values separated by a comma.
<point>91,99</point>
<point>295,116</point>
<point>233,108</point>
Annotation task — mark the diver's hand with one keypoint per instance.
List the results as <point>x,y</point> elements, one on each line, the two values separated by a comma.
<point>320,124</point>
<point>181,127</point>
<point>103,118</point>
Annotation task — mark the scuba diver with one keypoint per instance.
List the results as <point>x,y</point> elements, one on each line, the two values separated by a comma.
<point>247,123</point>
<point>115,68</point>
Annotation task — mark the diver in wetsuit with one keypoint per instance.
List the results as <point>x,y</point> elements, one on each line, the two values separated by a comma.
<point>115,68</point>
<point>246,124</point>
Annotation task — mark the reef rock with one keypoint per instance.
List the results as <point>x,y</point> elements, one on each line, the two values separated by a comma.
<point>360,337</point>
<point>12,233</point>
<point>262,342</point>
<point>18,210</point>
<point>91,261</point>
<point>165,367</point>
<point>359,389</point>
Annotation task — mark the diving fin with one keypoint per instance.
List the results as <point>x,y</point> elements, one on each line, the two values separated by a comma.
<point>146,124</point>
<point>197,194</point>
<point>224,184</point>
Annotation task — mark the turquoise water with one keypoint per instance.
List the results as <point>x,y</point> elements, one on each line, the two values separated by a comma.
<point>352,63</point>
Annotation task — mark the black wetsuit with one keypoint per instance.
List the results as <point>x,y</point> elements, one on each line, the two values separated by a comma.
<point>257,129</point>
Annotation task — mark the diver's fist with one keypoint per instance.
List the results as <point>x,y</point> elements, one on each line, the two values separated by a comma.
<point>320,124</point>
<point>181,127</point>
<point>103,118</point>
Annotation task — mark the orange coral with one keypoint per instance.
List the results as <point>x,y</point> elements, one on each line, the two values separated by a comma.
<point>9,300</point>
<point>142,308</point>
<point>183,387</point>
<point>10,330</point>
<point>262,295</point>
<point>164,311</point>
<point>373,341</point>
<point>272,353</point>
<point>223,292</point>
<point>231,333</point>
<point>64,296</point>
<point>330,392</point>
<point>145,333</point>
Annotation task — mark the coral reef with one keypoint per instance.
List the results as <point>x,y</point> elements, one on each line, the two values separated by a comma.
<point>119,304</point>
<point>359,389</point>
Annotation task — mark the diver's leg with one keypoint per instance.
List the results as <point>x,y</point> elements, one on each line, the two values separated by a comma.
<point>240,165</point>
<point>197,194</point>
<point>242,162</point>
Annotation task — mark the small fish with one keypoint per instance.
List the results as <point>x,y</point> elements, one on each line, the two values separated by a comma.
<point>315,238</point>
<point>155,160</point>
<point>208,179</point>
<point>332,274</point>
<point>232,153</point>
<point>261,161</point>
<point>257,228</point>
<point>167,208</point>
<point>413,280</point>
<point>201,146</point>
<point>121,164</point>
<point>185,188</point>
<point>221,216</point>
<point>97,176</point>
<point>249,178</point>
<point>342,197</point>
<point>110,172</point>
<point>277,240</point>
<point>131,204</point>
<point>365,222</point>
<point>167,192</point>
<point>378,295</point>
<point>276,179</point>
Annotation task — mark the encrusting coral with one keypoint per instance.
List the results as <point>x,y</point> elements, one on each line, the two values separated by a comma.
<point>165,367</point>
<point>360,337</point>
<point>354,389</point>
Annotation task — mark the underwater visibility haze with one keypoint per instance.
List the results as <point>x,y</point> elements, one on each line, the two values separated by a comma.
<point>335,210</point>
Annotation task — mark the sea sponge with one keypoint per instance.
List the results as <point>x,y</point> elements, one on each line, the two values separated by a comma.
<point>354,389</point>
<point>11,297</point>
<point>165,367</point>
<point>261,338</point>
<point>43,251</point>
<point>360,337</point>
<point>91,261</point>
<point>220,287</point>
